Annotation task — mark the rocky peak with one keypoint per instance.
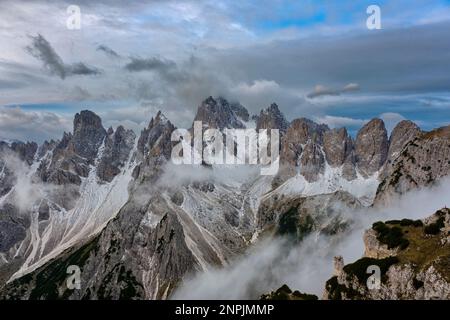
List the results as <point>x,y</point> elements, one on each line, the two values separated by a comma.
<point>339,150</point>
<point>301,145</point>
<point>272,118</point>
<point>404,132</point>
<point>422,161</point>
<point>312,161</point>
<point>240,111</point>
<point>72,156</point>
<point>305,130</point>
<point>155,139</point>
<point>159,120</point>
<point>46,146</point>
<point>118,146</point>
<point>218,113</point>
<point>337,145</point>
<point>371,147</point>
<point>66,138</point>
<point>88,134</point>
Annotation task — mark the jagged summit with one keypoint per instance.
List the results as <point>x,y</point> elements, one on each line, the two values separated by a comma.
<point>371,147</point>
<point>240,111</point>
<point>272,118</point>
<point>88,133</point>
<point>219,113</point>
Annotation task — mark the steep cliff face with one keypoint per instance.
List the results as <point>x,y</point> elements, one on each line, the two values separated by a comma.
<point>118,146</point>
<point>413,257</point>
<point>371,147</point>
<point>422,162</point>
<point>339,151</point>
<point>301,148</point>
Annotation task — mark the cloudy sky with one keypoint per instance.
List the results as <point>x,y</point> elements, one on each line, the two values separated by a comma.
<point>315,58</point>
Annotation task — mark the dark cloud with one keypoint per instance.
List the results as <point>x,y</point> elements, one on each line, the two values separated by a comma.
<point>150,64</point>
<point>413,59</point>
<point>108,51</point>
<point>167,71</point>
<point>81,69</point>
<point>42,50</point>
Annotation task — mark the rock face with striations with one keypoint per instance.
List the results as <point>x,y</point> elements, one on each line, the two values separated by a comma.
<point>118,146</point>
<point>423,161</point>
<point>338,148</point>
<point>88,134</point>
<point>301,147</point>
<point>371,147</point>
<point>72,156</point>
<point>153,148</point>
<point>404,132</point>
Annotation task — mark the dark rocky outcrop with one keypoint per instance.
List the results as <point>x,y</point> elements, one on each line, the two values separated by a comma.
<point>118,146</point>
<point>272,118</point>
<point>219,114</point>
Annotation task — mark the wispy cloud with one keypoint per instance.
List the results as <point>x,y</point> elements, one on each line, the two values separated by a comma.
<point>41,49</point>
<point>108,51</point>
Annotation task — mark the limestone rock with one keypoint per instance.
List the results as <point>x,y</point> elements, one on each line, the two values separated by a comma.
<point>371,147</point>
<point>422,162</point>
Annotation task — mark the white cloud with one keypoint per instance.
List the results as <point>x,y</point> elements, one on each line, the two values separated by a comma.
<point>257,87</point>
<point>391,119</point>
<point>16,123</point>
<point>339,122</point>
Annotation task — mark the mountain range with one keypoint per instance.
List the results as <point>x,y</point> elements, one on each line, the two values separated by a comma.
<point>113,203</point>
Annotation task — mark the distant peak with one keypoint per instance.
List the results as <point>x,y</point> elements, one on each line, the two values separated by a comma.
<point>86,118</point>
<point>272,118</point>
<point>210,100</point>
<point>160,117</point>
<point>219,113</point>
